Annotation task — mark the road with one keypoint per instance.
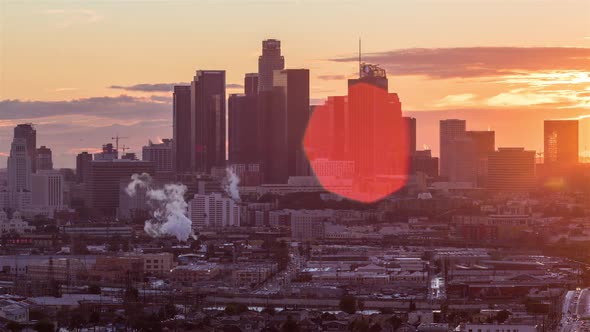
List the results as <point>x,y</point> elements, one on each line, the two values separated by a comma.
<point>576,306</point>
<point>282,279</point>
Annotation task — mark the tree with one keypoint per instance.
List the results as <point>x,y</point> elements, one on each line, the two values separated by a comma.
<point>43,326</point>
<point>79,247</point>
<point>14,326</point>
<point>235,309</point>
<point>168,311</point>
<point>360,304</point>
<point>269,311</point>
<point>290,325</point>
<point>131,294</point>
<point>360,325</point>
<point>395,322</point>
<point>94,289</point>
<point>146,323</point>
<point>348,304</point>
<point>94,318</point>
<point>502,316</point>
<point>76,321</point>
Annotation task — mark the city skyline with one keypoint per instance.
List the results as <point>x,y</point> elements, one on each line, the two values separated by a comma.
<point>535,73</point>
<point>295,165</point>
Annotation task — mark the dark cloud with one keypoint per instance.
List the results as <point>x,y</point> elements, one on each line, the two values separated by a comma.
<point>468,62</point>
<point>163,99</point>
<point>332,77</point>
<point>121,107</point>
<point>149,87</point>
<point>161,87</point>
<point>234,86</point>
<point>69,127</point>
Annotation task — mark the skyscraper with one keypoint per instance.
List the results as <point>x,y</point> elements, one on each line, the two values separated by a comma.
<point>243,128</point>
<point>251,84</point>
<point>284,112</point>
<point>208,120</point>
<point>291,89</point>
<point>108,153</point>
<point>83,160</point>
<point>102,188</point>
<point>44,160</point>
<point>47,190</point>
<point>449,131</point>
<point>161,155</point>
<point>485,144</point>
<point>243,123</point>
<point>561,142</point>
<point>411,127</point>
<point>423,162</point>
<point>373,114</point>
<point>27,132</point>
<point>511,170</point>
<point>213,210</point>
<point>181,141</point>
<point>19,165</point>
<point>270,60</point>
<point>462,160</point>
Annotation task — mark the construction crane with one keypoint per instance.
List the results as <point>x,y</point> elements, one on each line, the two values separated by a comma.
<point>124,148</point>
<point>117,138</point>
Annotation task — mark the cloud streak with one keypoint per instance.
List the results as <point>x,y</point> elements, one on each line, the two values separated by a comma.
<point>120,107</point>
<point>472,62</point>
<point>71,17</point>
<point>161,87</point>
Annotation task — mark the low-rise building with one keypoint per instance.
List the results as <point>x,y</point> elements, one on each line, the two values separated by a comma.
<point>117,269</point>
<point>16,224</point>
<point>253,274</point>
<point>158,264</point>
<point>188,274</point>
<point>59,269</point>
<point>14,311</point>
<point>98,231</point>
<point>500,328</point>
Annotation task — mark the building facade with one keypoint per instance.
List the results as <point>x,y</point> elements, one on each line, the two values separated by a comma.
<point>28,132</point>
<point>561,142</point>
<point>43,158</point>
<point>449,130</point>
<point>208,120</point>
<point>19,166</point>
<point>83,161</point>
<point>213,210</point>
<point>161,155</point>
<point>181,139</point>
<point>511,170</point>
<point>270,60</point>
<point>48,191</point>
<point>102,189</point>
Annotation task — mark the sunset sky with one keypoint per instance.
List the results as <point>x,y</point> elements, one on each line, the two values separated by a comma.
<point>83,71</point>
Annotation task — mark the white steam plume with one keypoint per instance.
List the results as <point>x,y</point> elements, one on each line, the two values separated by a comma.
<point>232,184</point>
<point>167,208</point>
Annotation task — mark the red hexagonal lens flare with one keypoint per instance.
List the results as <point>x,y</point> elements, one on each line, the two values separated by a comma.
<point>357,145</point>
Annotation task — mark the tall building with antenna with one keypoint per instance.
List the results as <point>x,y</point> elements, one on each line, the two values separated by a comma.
<point>373,112</point>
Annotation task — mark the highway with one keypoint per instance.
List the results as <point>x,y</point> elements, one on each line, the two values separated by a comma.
<point>576,307</point>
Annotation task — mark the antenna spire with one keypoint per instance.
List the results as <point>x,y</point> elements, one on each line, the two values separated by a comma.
<point>360,69</point>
